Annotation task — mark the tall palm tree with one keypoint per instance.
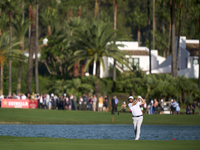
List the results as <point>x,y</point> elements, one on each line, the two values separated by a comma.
<point>36,50</point>
<point>20,26</point>
<point>31,51</point>
<point>9,7</point>
<point>92,44</point>
<point>115,27</point>
<point>154,26</point>
<point>173,38</point>
<point>149,30</point>
<point>179,33</point>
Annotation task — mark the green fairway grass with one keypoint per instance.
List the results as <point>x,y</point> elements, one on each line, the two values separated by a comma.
<point>31,143</point>
<point>41,116</point>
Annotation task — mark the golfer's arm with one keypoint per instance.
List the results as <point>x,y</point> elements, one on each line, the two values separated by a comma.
<point>135,102</point>
<point>142,101</point>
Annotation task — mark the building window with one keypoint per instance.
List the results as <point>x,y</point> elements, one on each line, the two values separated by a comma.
<point>133,62</point>
<point>136,63</point>
<point>195,61</point>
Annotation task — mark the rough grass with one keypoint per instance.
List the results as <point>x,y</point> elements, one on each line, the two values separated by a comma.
<point>41,116</point>
<point>24,143</point>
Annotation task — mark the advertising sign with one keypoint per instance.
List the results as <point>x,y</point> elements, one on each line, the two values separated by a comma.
<point>19,103</point>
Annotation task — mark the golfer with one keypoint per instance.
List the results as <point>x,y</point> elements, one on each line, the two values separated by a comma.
<point>134,106</point>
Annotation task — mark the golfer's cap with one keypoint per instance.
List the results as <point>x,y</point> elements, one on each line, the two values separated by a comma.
<point>130,97</point>
<point>139,96</point>
<point>161,100</point>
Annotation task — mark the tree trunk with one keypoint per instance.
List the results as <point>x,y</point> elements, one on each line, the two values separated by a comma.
<point>115,27</point>
<point>31,51</point>
<point>75,69</point>
<point>169,40</point>
<point>10,61</point>
<point>1,79</point>
<point>20,72</point>
<point>149,30</point>
<point>173,38</point>
<point>179,33</point>
<point>82,68</point>
<point>1,70</point>
<point>138,36</point>
<point>36,51</point>
<point>153,24</point>
<point>98,85</point>
<point>199,51</point>
<point>20,61</point>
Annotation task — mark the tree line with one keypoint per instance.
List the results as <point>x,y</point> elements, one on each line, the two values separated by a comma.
<point>78,33</point>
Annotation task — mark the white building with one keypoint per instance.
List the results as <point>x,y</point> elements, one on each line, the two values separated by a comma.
<point>139,56</point>
<point>188,59</point>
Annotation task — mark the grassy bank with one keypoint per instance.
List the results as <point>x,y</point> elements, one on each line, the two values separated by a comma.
<point>24,143</point>
<point>40,116</point>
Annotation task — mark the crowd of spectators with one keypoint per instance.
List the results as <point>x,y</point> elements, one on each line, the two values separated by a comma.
<point>65,102</point>
<point>90,103</point>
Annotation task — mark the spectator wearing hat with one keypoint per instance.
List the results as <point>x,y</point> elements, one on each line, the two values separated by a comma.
<point>134,106</point>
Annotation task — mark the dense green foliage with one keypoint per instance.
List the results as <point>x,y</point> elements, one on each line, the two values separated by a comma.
<point>65,19</point>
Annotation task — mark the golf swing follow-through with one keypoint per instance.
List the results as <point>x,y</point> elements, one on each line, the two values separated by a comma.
<point>134,106</point>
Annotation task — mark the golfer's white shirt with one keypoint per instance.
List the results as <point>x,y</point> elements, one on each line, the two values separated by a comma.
<point>135,109</point>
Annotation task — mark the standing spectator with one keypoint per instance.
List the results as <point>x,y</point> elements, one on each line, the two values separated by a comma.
<point>151,107</point>
<point>71,100</point>
<point>85,98</point>
<point>23,96</point>
<point>67,103</point>
<point>105,103</point>
<point>74,102</point>
<point>94,104</point>
<point>171,107</point>
<point>174,105</point>
<point>116,103</point>
<point>55,101</point>
<point>113,105</point>
<point>100,105</point>
<point>90,103</point>
<point>144,106</point>
<point>41,99</point>
<point>1,97</point>
<point>161,106</point>
<point>193,106</point>
<point>199,106</point>
<point>80,103</point>
<point>177,109</point>
<point>155,106</point>
<point>188,111</point>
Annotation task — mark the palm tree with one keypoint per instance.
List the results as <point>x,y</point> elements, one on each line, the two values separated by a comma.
<point>149,30</point>
<point>9,7</point>
<point>92,44</point>
<point>3,24</point>
<point>173,38</point>
<point>31,51</point>
<point>36,50</point>
<point>179,33</point>
<point>20,26</point>
<point>115,27</point>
